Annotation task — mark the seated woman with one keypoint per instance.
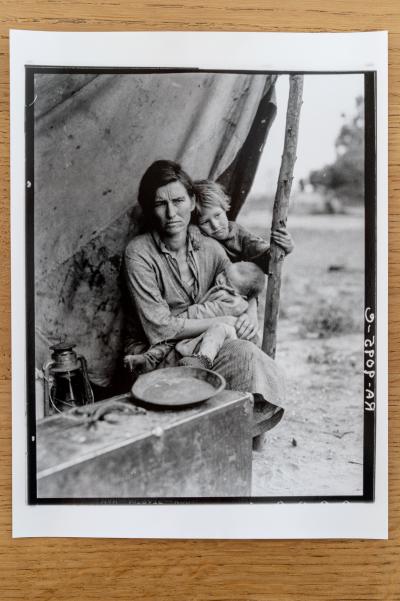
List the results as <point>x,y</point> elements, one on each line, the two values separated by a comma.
<point>169,269</point>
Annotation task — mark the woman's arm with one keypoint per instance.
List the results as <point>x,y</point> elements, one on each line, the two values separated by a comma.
<point>158,323</point>
<point>194,327</point>
<point>217,303</point>
<point>245,320</point>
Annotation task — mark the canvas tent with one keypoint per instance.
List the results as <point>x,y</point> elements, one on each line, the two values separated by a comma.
<point>94,136</point>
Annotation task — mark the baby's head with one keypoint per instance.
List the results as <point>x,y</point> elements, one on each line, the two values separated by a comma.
<point>244,277</point>
<point>211,206</point>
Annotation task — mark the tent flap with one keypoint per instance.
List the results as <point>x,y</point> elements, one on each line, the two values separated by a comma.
<point>95,135</point>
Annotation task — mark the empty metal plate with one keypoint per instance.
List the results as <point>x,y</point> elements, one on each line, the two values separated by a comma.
<point>177,386</point>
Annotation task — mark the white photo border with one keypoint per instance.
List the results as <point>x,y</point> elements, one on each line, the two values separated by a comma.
<point>247,51</point>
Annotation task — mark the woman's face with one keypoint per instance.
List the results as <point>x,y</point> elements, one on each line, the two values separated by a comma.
<point>172,208</point>
<point>214,222</point>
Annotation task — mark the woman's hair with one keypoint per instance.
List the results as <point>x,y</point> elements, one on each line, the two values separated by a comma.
<point>210,194</point>
<point>157,175</point>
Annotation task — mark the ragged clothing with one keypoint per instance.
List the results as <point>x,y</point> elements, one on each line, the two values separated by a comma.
<point>210,306</point>
<point>161,301</point>
<point>159,298</point>
<point>242,245</point>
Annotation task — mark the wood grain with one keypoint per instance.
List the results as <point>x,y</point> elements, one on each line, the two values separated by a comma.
<point>217,570</point>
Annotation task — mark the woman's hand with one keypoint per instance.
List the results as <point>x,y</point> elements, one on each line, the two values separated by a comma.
<point>229,320</point>
<point>245,328</point>
<point>282,238</point>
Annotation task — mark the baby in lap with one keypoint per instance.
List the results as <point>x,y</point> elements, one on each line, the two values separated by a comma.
<point>244,280</point>
<point>239,283</point>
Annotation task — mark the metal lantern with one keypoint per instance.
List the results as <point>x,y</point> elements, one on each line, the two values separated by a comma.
<point>66,380</point>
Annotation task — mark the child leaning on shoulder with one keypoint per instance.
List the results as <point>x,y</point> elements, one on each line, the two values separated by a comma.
<point>212,205</point>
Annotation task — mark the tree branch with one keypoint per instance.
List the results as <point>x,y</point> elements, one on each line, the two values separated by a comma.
<point>280,212</point>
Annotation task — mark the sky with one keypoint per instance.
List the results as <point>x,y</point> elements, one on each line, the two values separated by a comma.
<point>325,99</point>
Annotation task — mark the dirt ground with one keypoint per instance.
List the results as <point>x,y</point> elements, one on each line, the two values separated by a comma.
<point>317,449</point>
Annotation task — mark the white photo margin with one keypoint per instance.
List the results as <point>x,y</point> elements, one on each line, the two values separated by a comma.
<point>237,51</point>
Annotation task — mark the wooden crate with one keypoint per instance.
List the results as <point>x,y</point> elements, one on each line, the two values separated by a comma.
<point>202,451</point>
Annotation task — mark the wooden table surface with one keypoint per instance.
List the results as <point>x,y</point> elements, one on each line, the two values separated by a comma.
<point>62,569</point>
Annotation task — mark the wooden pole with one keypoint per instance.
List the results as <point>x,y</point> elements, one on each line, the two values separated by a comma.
<point>279,217</point>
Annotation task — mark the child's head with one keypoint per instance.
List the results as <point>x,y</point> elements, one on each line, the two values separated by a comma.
<point>245,278</point>
<point>211,206</point>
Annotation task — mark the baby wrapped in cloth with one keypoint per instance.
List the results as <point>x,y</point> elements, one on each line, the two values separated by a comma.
<point>242,282</point>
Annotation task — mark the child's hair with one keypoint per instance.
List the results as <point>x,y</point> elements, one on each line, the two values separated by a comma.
<point>251,278</point>
<point>210,194</point>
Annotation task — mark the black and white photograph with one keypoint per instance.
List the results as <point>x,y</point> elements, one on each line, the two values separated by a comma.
<point>201,285</point>
<point>199,276</point>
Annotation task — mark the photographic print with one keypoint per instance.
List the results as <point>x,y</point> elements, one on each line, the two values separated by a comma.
<point>200,285</point>
<point>127,283</point>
